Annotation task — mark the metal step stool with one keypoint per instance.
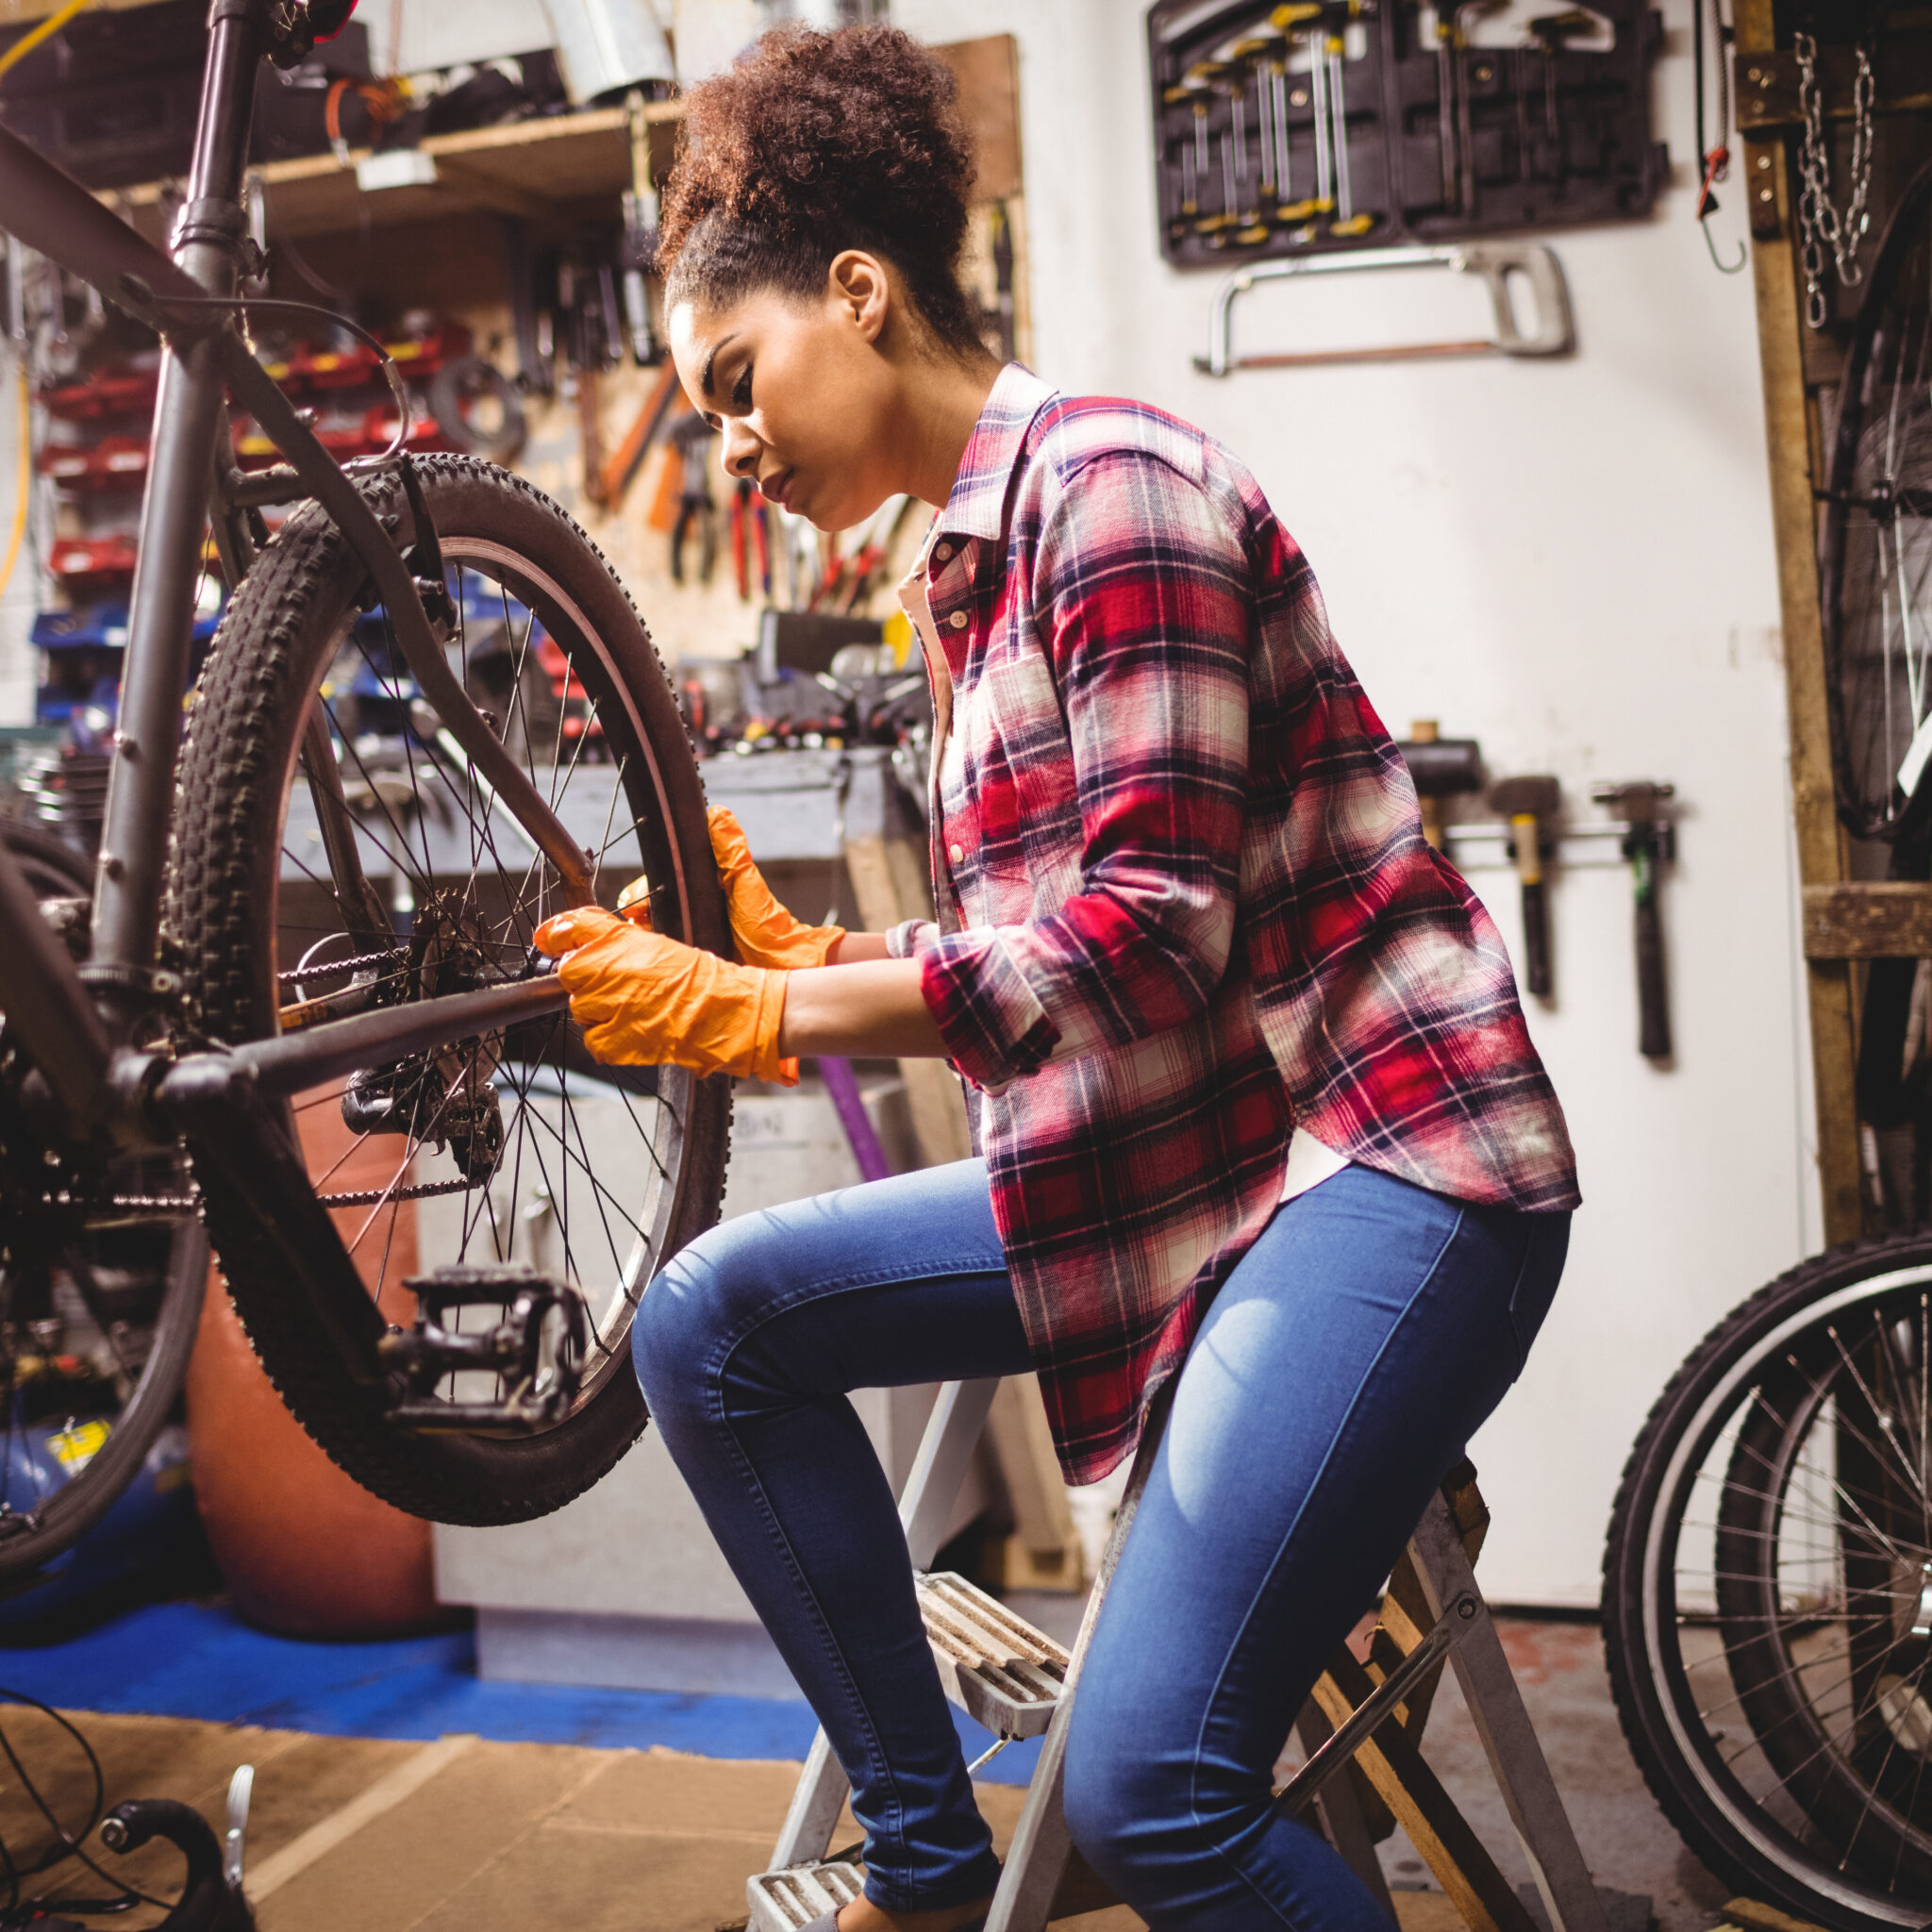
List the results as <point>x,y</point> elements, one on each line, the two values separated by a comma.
<point>1361,1728</point>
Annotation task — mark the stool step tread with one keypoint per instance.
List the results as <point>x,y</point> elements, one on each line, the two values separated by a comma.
<point>996,1667</point>
<point>788,1900</point>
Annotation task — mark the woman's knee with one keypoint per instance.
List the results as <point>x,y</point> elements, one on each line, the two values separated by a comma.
<point>1153,1807</point>
<point>1129,1805</point>
<point>681,1329</point>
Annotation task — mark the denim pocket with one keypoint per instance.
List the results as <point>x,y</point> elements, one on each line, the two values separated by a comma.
<point>1544,1252</point>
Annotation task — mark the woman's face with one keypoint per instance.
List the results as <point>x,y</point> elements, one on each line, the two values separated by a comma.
<point>800,391</point>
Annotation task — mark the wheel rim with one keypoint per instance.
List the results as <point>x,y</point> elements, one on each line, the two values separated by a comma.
<point>1876,550</point>
<point>579,1142</point>
<point>1692,1682</point>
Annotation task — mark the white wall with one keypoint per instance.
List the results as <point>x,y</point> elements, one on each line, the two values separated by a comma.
<point>1574,563</point>
<point>412,35</point>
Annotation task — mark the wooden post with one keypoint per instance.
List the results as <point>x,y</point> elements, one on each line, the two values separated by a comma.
<point>1794,518</point>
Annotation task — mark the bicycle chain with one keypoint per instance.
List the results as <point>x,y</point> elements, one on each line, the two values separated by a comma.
<point>356,963</point>
<point>362,1197</point>
<point>1820,226</point>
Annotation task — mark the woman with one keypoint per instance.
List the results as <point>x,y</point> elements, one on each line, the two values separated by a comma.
<point>1257,1112</point>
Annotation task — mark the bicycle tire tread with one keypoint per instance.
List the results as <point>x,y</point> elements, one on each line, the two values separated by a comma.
<point>1622,1608</point>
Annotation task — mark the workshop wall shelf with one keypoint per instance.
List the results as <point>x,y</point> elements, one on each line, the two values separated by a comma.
<point>530,169</point>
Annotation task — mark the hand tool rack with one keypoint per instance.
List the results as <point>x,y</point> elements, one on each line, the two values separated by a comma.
<point>1362,1730</point>
<point>1343,123</point>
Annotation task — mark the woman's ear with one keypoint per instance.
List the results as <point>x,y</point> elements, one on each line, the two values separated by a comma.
<point>858,289</point>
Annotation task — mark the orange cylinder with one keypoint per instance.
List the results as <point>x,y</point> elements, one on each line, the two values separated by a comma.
<point>306,1550</point>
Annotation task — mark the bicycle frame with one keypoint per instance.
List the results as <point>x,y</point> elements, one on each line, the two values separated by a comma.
<point>78,1024</point>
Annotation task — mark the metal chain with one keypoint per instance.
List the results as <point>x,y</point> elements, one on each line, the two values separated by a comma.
<point>356,963</point>
<point>1820,226</point>
<point>365,1197</point>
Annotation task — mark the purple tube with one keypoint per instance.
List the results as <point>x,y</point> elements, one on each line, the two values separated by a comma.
<point>843,1085</point>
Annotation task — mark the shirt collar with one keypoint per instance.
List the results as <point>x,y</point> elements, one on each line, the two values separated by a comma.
<point>977,506</point>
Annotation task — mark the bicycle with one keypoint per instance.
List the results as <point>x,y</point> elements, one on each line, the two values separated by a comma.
<point>292,915</point>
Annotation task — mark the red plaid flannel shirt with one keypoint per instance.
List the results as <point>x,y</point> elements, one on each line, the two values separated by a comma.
<point>1184,900</point>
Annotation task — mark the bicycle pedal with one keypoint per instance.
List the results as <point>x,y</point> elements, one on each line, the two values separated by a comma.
<point>535,1351</point>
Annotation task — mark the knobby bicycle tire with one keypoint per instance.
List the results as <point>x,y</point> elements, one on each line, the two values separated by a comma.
<point>241,769</point>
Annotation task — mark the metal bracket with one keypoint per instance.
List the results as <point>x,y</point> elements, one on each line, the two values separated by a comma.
<point>1495,262</point>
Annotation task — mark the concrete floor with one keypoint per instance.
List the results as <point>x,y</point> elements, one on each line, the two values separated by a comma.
<point>466,1836</point>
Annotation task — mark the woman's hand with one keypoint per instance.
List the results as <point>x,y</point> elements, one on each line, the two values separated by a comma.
<point>766,933</point>
<point>645,1000</point>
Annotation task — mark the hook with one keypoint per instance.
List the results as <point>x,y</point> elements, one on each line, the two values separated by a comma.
<point>1722,268</point>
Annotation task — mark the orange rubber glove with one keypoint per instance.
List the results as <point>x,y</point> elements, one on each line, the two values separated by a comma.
<point>645,1000</point>
<point>766,933</point>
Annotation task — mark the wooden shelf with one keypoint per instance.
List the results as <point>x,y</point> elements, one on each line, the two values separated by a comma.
<point>530,168</point>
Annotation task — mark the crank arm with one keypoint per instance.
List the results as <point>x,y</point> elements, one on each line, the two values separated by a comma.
<point>438,683</point>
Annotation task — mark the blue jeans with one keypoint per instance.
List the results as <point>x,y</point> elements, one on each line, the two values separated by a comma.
<point>1338,1374</point>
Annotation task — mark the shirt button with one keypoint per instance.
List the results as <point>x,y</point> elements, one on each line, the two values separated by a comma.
<point>958,619</point>
<point>943,553</point>
<point>957,854</point>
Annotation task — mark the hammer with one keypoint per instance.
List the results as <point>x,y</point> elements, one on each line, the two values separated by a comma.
<point>1648,840</point>
<point>1529,805</point>
<point>1439,766</point>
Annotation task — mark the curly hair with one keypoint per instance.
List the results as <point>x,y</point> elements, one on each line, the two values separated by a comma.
<point>810,143</point>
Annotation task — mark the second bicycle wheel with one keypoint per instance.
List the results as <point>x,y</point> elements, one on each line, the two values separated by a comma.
<point>1875,541</point>
<point>514,1147</point>
<point>101,1280</point>
<point>1768,1591</point>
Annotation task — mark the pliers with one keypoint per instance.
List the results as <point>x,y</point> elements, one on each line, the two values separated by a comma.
<point>695,507</point>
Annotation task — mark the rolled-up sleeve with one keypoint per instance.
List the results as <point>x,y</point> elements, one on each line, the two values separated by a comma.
<point>1144,608</point>
<point>909,937</point>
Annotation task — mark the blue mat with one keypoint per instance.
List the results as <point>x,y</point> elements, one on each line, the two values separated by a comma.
<point>199,1661</point>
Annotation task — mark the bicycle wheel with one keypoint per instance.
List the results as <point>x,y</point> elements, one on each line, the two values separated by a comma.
<point>512,1147</point>
<point>1875,548</point>
<point>1768,1591</point>
<point>100,1298</point>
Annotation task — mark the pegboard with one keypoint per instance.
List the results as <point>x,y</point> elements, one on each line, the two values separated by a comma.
<point>1299,129</point>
